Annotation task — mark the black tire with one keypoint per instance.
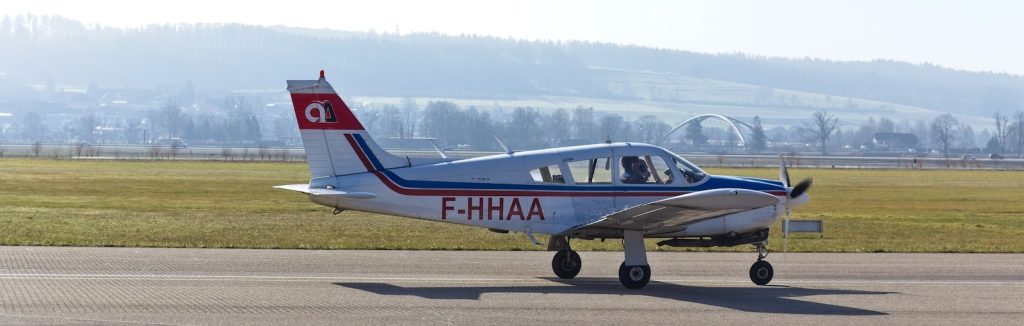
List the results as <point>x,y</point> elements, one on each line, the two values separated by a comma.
<point>634,277</point>
<point>761,272</point>
<point>566,264</point>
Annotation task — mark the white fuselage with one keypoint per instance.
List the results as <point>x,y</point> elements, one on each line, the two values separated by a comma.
<point>498,192</point>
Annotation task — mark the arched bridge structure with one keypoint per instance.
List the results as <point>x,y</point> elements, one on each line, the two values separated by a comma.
<point>733,124</point>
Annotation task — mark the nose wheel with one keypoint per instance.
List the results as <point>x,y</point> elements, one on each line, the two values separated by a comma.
<point>761,272</point>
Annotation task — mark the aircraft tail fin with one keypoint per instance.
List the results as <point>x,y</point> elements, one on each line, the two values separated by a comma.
<point>336,143</point>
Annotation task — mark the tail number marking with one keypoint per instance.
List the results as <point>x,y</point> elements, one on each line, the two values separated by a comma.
<point>491,208</point>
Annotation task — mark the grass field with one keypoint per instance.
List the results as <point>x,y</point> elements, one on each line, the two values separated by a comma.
<point>232,205</point>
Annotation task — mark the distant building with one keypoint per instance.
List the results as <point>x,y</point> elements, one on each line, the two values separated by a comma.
<point>895,141</point>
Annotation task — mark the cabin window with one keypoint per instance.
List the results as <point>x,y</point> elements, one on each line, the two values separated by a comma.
<point>645,169</point>
<point>548,174</point>
<point>592,171</point>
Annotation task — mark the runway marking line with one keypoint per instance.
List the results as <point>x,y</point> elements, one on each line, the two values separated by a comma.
<point>107,321</point>
<point>178,277</point>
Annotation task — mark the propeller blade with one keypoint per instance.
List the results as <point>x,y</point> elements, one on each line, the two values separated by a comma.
<point>801,187</point>
<point>783,173</point>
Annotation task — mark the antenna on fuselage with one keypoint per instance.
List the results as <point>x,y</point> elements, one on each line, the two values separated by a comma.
<point>502,143</point>
<point>439,151</point>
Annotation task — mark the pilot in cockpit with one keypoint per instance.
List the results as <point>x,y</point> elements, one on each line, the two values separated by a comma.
<point>636,170</point>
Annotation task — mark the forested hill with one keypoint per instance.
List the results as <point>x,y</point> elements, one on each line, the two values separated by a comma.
<point>43,49</point>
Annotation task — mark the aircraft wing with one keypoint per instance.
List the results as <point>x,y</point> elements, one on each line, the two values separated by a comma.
<point>304,188</point>
<point>671,214</point>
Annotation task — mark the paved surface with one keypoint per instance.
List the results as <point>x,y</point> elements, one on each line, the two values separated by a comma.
<point>45,285</point>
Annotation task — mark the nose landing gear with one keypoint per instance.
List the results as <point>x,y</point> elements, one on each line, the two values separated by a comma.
<point>761,272</point>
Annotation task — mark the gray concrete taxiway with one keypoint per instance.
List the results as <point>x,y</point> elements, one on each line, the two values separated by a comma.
<point>53,285</point>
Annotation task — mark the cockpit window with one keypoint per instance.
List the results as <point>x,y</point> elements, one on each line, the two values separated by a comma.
<point>691,173</point>
<point>547,174</point>
<point>644,169</point>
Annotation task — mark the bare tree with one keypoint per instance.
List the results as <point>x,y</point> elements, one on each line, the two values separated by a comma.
<point>1019,117</point>
<point>393,122</point>
<point>37,147</point>
<point>611,127</point>
<point>79,148</point>
<point>650,129</point>
<point>758,140</point>
<point>263,152</point>
<point>226,152</point>
<point>557,126</point>
<point>175,148</point>
<point>526,121</point>
<point>583,123</point>
<point>86,125</point>
<point>966,138</point>
<point>172,118</point>
<point>1001,131</point>
<point>437,119</point>
<point>944,131</point>
<point>410,114</point>
<point>823,124</point>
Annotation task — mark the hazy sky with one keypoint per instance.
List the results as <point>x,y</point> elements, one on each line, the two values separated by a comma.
<point>971,35</point>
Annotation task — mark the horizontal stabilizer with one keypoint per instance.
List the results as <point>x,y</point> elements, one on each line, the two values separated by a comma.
<point>304,188</point>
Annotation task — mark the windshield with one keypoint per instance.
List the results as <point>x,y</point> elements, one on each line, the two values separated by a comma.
<point>691,173</point>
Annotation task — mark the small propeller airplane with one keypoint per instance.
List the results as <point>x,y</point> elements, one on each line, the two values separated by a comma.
<point>600,191</point>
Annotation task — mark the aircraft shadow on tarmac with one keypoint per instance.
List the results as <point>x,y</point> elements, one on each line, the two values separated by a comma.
<point>764,299</point>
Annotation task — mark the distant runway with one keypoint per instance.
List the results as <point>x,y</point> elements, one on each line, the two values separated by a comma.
<point>52,285</point>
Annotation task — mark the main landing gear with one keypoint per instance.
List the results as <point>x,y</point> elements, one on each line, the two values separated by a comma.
<point>761,272</point>
<point>567,262</point>
<point>634,272</point>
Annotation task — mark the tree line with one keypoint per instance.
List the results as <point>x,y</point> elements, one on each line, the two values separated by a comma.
<point>944,132</point>
<point>522,127</point>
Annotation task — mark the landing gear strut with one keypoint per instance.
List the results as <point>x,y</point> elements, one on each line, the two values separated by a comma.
<point>634,273</point>
<point>761,272</point>
<point>567,262</point>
